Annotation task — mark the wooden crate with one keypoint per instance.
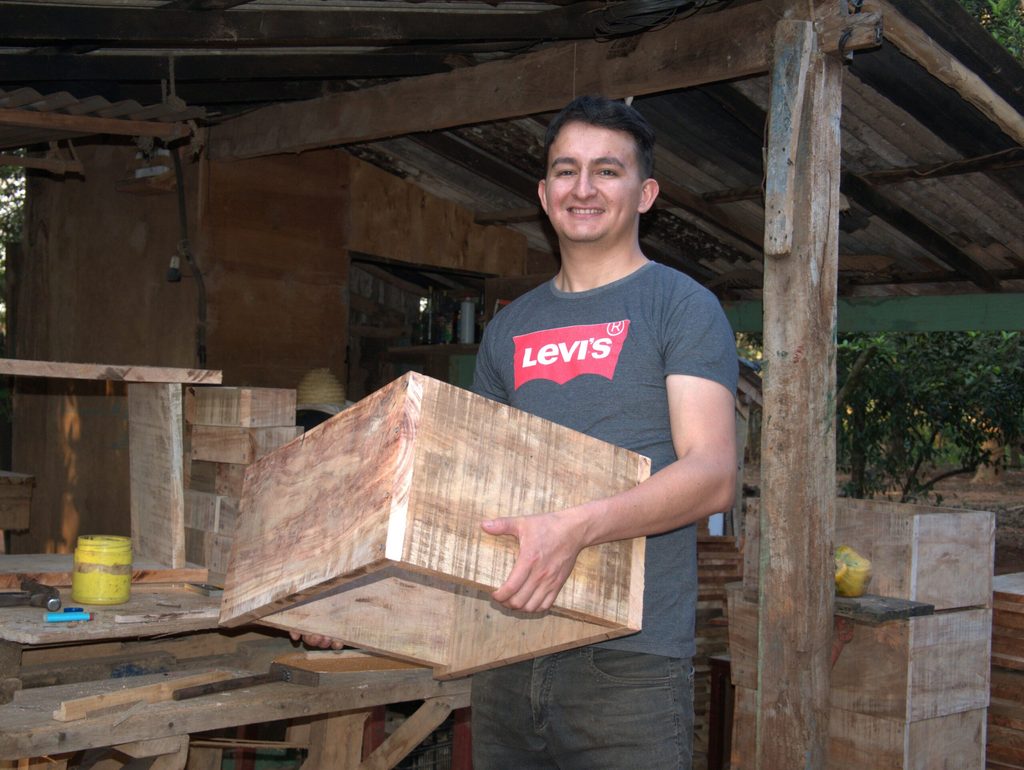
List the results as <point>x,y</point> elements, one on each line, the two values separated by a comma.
<point>940,556</point>
<point>366,529</point>
<point>905,670</point>
<point>240,407</point>
<point>858,740</point>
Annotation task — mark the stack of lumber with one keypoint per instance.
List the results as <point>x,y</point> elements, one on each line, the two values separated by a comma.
<point>226,430</point>
<point>15,499</point>
<point>1006,710</point>
<point>368,530</point>
<point>719,562</point>
<point>908,693</point>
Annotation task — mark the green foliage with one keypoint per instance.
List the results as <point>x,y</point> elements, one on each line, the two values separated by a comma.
<point>916,408</point>
<point>1004,19</point>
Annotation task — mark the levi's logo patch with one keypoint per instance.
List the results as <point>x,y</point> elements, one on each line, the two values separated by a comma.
<point>561,354</point>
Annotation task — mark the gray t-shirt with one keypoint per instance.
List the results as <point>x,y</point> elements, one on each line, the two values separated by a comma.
<point>596,361</point>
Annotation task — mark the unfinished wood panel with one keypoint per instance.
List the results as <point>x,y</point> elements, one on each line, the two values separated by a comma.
<point>385,500</point>
<point>940,556</point>
<point>117,373</point>
<point>55,570</point>
<point>395,219</point>
<point>217,478</point>
<point>798,435</point>
<point>157,477</point>
<point>952,741</point>
<point>240,407</point>
<point>237,446</point>
<point>271,232</point>
<point>917,669</point>
<point>91,286</point>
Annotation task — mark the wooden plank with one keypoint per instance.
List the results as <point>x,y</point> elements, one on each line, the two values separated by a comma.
<point>87,124</point>
<point>409,734</point>
<point>157,475</point>
<point>383,502</point>
<point>23,368</point>
<point>336,740</point>
<point>80,708</point>
<point>156,609</point>
<point>54,569</point>
<point>25,734</point>
<point>798,437</point>
<point>240,407</point>
<point>917,45</point>
<point>874,610</point>
<point>237,445</point>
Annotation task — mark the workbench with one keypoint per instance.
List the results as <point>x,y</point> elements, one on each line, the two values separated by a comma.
<point>328,720</point>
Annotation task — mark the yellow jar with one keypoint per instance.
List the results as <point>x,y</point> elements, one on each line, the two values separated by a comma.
<point>103,570</point>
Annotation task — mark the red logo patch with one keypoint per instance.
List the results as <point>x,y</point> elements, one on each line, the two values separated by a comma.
<point>561,354</point>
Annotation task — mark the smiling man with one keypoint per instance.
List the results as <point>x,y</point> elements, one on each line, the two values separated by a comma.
<point>640,355</point>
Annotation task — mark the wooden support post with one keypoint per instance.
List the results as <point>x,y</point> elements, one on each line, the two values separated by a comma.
<point>798,435</point>
<point>336,741</point>
<point>409,734</point>
<point>170,753</point>
<point>156,460</point>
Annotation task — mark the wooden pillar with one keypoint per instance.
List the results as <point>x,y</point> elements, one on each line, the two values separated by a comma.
<point>798,434</point>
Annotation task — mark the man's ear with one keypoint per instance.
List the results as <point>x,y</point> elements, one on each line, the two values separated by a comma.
<point>648,194</point>
<point>542,193</point>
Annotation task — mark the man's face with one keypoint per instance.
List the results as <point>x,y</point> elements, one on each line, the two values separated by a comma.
<point>593,191</point>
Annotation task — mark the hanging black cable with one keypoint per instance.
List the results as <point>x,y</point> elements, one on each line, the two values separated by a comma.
<point>185,251</point>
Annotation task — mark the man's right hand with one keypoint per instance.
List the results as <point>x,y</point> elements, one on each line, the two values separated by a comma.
<point>316,640</point>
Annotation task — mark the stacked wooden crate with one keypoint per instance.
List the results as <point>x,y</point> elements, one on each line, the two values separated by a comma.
<point>227,429</point>
<point>719,562</point>
<point>910,693</point>
<point>1006,711</point>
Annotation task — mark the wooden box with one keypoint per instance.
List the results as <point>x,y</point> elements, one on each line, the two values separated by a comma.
<point>367,529</point>
<point>939,556</point>
<point>862,741</point>
<point>905,670</point>
<point>240,407</point>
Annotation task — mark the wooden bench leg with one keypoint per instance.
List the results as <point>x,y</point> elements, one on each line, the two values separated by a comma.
<point>10,670</point>
<point>168,753</point>
<point>204,758</point>
<point>336,742</point>
<point>409,734</point>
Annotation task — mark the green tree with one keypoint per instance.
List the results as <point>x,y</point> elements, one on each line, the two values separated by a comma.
<point>1004,19</point>
<point>916,408</point>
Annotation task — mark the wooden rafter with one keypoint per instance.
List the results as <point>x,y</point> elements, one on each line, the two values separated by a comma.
<point>174,27</point>
<point>85,124</point>
<point>704,49</point>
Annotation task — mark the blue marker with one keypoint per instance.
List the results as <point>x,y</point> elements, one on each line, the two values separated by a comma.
<point>66,617</point>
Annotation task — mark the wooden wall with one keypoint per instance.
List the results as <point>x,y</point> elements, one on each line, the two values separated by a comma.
<point>395,219</point>
<point>277,269</point>
<point>272,236</point>
<point>90,287</point>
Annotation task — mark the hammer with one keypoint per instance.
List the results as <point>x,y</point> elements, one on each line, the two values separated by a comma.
<point>32,594</point>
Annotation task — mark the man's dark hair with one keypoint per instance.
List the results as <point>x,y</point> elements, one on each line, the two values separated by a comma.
<point>607,113</point>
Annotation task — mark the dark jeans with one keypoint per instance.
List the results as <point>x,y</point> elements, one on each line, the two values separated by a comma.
<point>585,709</point>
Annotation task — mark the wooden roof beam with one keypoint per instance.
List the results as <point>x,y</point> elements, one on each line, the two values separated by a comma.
<point>84,124</point>
<point>917,45</point>
<point>173,27</point>
<point>701,49</point>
